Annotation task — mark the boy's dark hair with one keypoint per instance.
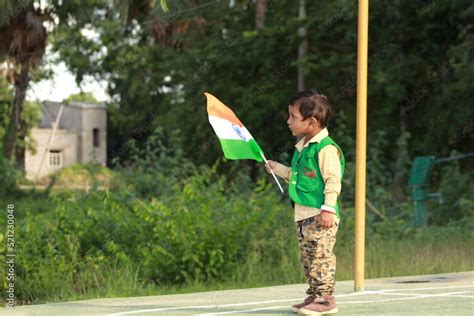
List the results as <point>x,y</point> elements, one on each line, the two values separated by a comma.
<point>313,104</point>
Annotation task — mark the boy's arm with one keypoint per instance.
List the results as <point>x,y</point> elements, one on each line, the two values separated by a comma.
<point>330,166</point>
<point>282,171</point>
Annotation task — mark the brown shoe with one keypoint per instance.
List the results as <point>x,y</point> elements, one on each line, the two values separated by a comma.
<point>325,304</point>
<point>296,307</point>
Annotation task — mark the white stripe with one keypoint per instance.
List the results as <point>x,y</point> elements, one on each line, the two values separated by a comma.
<point>244,311</point>
<point>452,294</point>
<point>430,288</point>
<point>417,296</point>
<point>227,130</point>
<point>413,294</point>
<point>373,292</point>
<point>202,307</point>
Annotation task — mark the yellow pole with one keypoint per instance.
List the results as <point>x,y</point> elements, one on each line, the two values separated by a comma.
<point>361,144</point>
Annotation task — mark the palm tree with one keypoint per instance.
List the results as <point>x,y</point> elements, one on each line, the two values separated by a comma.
<point>22,48</point>
<point>167,29</point>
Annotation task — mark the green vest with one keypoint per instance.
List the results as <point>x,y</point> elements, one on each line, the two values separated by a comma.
<point>306,181</point>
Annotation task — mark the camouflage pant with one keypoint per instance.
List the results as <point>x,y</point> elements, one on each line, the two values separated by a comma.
<point>319,262</point>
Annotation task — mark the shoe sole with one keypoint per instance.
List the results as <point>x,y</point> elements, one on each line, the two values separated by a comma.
<point>303,311</point>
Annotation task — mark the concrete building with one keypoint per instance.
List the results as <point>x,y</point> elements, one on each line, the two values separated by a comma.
<point>80,136</point>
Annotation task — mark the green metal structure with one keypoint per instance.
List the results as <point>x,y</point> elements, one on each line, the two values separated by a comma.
<point>419,180</point>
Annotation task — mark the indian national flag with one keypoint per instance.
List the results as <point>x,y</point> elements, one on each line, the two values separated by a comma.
<point>236,141</point>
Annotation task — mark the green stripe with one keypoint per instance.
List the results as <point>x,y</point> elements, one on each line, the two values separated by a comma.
<point>239,149</point>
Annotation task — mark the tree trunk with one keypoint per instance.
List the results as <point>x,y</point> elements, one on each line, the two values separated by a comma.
<point>20,148</point>
<point>260,14</point>
<point>303,47</point>
<point>16,122</point>
<point>405,108</point>
<point>399,179</point>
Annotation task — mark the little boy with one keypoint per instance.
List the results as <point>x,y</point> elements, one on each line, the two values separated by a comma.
<point>314,186</point>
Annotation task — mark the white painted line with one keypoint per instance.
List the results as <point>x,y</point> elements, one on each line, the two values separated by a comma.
<point>410,294</point>
<point>286,307</point>
<point>201,307</point>
<point>274,307</point>
<point>402,298</point>
<point>417,296</point>
<point>466,296</point>
<point>289,300</point>
<point>431,288</point>
<point>218,306</point>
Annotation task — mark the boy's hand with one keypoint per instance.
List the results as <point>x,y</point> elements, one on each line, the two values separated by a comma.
<point>270,164</point>
<point>326,219</point>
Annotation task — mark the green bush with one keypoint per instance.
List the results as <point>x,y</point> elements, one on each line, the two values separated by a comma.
<point>207,230</point>
<point>155,166</point>
<point>457,189</point>
<point>9,177</point>
<point>199,232</point>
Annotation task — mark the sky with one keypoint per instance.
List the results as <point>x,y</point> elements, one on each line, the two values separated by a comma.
<point>63,85</point>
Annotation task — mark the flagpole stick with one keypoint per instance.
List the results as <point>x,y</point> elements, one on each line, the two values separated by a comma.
<point>273,174</point>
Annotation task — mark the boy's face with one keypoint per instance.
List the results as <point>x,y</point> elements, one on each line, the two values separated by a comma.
<point>297,125</point>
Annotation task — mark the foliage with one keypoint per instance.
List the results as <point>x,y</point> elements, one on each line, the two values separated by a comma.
<point>457,190</point>
<point>194,225</point>
<point>203,230</point>
<point>152,168</point>
<point>194,233</point>
<point>81,175</point>
<point>259,87</point>
<point>9,177</point>
<point>82,97</point>
<point>5,103</point>
<point>412,78</point>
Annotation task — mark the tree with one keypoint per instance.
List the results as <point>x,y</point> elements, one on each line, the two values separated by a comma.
<point>138,64</point>
<point>23,43</point>
<point>261,7</point>
<point>303,47</point>
<point>82,97</point>
<point>159,65</point>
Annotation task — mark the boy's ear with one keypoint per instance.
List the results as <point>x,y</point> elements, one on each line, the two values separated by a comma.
<point>314,122</point>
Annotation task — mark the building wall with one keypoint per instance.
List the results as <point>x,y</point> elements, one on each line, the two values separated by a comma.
<point>91,119</point>
<point>74,137</point>
<point>64,141</point>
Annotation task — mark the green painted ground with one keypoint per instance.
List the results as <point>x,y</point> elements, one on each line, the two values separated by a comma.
<point>439,294</point>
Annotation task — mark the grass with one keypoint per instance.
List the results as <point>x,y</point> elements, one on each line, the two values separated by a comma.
<point>392,258</point>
